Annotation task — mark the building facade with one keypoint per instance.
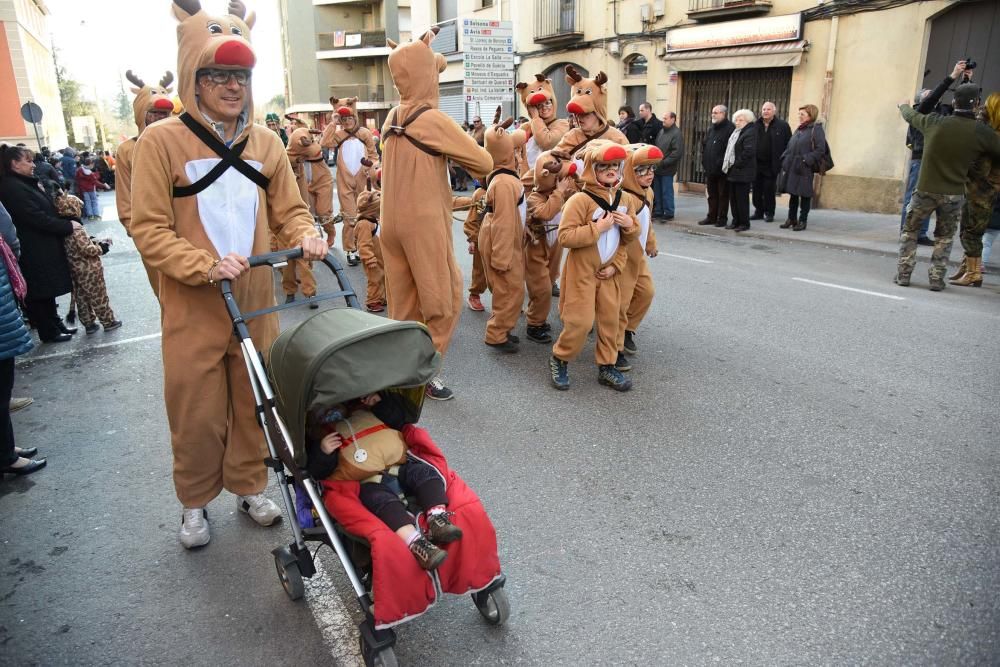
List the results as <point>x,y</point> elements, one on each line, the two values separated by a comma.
<point>689,55</point>
<point>28,74</point>
<point>337,48</point>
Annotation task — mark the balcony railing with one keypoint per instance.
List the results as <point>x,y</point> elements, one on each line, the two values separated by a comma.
<point>446,41</point>
<point>557,21</point>
<point>343,40</point>
<point>714,9</point>
<point>363,91</point>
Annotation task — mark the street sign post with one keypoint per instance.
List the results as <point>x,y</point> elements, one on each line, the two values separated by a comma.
<point>488,48</point>
<point>32,113</point>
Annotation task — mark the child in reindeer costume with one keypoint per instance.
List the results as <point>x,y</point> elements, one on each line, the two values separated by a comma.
<point>595,227</point>
<point>209,188</point>
<point>422,278</point>
<point>637,281</point>
<point>553,186</point>
<point>501,236</point>
<point>366,233</point>
<point>316,188</point>
<point>151,104</point>
<point>473,222</point>
<point>589,108</point>
<point>353,143</point>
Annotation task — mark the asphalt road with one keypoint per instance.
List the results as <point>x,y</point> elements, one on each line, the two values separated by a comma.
<point>803,474</point>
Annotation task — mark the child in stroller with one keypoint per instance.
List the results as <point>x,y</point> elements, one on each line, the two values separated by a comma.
<point>360,441</point>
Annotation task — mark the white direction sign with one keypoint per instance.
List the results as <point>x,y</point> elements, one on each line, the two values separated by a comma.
<point>488,49</point>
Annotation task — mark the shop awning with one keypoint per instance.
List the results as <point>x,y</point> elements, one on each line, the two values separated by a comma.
<point>777,54</point>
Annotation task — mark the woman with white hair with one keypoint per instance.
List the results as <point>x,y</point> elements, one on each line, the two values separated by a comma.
<point>740,167</point>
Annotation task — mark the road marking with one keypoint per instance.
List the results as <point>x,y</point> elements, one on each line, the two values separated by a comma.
<point>334,622</point>
<point>690,259</point>
<point>851,289</point>
<point>81,350</point>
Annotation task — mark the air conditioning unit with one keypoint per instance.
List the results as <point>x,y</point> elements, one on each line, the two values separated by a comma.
<point>614,48</point>
<point>646,13</point>
<point>659,8</point>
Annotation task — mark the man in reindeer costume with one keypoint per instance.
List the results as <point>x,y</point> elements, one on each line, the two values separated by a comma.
<point>209,188</point>
<point>589,108</point>
<point>353,143</point>
<point>151,104</point>
<point>423,281</point>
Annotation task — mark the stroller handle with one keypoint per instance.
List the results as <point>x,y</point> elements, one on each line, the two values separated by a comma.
<point>274,259</point>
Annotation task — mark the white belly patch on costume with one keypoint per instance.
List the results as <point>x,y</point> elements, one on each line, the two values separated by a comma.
<point>552,236</point>
<point>228,207</point>
<point>607,243</point>
<point>522,208</point>
<point>307,170</point>
<point>351,152</point>
<point>643,226</point>
<point>531,152</point>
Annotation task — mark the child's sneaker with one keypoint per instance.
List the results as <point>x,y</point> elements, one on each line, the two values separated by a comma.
<point>475,303</point>
<point>623,364</point>
<point>629,346</point>
<point>612,377</point>
<point>92,328</point>
<point>539,334</point>
<point>113,325</point>
<point>428,556</point>
<point>437,391</point>
<point>441,529</point>
<point>560,373</point>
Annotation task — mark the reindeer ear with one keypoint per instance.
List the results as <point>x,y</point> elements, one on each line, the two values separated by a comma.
<point>442,63</point>
<point>334,101</point>
<point>250,20</point>
<point>496,115</point>
<point>351,101</point>
<point>185,9</point>
<point>429,36</point>
<point>391,44</point>
<point>540,78</point>
<point>305,140</point>
<point>521,86</point>
<point>601,78</point>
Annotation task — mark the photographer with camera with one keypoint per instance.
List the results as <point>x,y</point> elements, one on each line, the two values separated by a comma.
<point>927,101</point>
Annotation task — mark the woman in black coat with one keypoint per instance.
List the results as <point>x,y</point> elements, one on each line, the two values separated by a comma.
<point>798,164</point>
<point>628,125</point>
<point>41,231</point>
<point>740,166</point>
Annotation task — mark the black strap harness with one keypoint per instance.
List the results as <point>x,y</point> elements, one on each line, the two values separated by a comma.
<point>579,147</point>
<point>645,202</point>
<point>400,130</point>
<point>602,203</point>
<point>496,172</point>
<point>230,158</point>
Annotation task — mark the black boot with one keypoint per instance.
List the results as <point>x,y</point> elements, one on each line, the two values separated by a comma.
<point>612,377</point>
<point>800,225</point>
<point>539,334</point>
<point>791,222</point>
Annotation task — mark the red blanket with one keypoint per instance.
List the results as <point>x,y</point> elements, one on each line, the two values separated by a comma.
<point>401,588</point>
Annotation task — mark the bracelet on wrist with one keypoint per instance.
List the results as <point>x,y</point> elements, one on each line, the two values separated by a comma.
<point>211,280</point>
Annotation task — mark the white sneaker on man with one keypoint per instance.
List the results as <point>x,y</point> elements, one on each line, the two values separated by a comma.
<point>194,528</point>
<point>260,508</point>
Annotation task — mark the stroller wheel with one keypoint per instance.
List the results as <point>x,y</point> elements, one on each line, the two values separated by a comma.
<point>290,576</point>
<point>493,605</point>
<point>384,658</point>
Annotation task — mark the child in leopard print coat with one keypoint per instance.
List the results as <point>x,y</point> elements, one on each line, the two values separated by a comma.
<point>90,293</point>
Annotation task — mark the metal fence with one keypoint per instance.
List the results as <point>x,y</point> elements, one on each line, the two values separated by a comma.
<point>556,18</point>
<point>704,5</point>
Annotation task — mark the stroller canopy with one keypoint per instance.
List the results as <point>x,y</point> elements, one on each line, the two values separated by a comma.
<point>341,354</point>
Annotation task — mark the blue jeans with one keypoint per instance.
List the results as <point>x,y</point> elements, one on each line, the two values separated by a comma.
<point>911,183</point>
<point>663,196</point>
<point>90,206</point>
<point>988,238</point>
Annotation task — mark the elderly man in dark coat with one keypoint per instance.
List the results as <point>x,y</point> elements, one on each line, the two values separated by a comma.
<point>773,135</point>
<point>713,151</point>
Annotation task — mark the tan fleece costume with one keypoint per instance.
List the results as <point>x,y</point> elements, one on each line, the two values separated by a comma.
<point>542,241</point>
<point>637,282</point>
<point>367,234</point>
<point>146,99</point>
<point>542,135</point>
<point>422,279</point>
<point>352,146</point>
<point>584,295</point>
<point>216,441</point>
<point>473,221</point>
<point>501,237</point>
<point>589,96</point>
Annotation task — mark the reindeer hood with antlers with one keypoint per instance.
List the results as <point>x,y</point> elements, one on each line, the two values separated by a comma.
<point>148,97</point>
<point>600,151</point>
<point>639,154</point>
<point>218,42</point>
<point>588,95</point>
<point>415,67</point>
<point>346,107</point>
<point>536,92</point>
<point>500,144</point>
<point>303,145</point>
<point>549,168</point>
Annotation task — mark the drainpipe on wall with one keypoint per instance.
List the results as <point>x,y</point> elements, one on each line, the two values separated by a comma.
<point>831,55</point>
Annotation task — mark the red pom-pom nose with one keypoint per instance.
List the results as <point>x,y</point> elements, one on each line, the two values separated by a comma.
<point>536,99</point>
<point>613,153</point>
<point>235,53</point>
<point>163,104</point>
<point>574,108</point>
<point>572,169</point>
<point>344,111</point>
<point>655,153</point>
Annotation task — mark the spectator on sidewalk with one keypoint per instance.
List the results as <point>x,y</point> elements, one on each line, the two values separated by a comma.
<point>773,135</point>
<point>648,123</point>
<point>88,180</point>
<point>671,143</point>
<point>478,130</point>
<point>68,167</point>
<point>628,125</point>
<point>41,230</point>
<point>740,166</point>
<point>951,145</point>
<point>798,165</point>
<point>46,174</point>
<point>927,101</point>
<point>713,150</point>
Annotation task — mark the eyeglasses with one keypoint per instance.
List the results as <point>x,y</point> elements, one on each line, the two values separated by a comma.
<point>643,170</point>
<point>606,166</point>
<point>221,77</point>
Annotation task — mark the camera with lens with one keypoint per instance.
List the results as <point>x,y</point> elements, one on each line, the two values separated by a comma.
<point>970,63</point>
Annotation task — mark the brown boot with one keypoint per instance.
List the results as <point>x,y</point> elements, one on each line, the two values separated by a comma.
<point>441,529</point>
<point>973,276</point>
<point>961,270</point>
<point>428,556</point>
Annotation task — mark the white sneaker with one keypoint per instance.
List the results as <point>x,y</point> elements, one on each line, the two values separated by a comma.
<point>194,528</point>
<point>260,508</point>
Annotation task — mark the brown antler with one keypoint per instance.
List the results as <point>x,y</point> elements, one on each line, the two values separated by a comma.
<point>365,161</point>
<point>601,78</point>
<point>552,167</point>
<point>507,123</point>
<point>573,74</point>
<point>540,78</point>
<point>192,7</point>
<point>521,86</point>
<point>237,9</point>
<point>167,79</point>
<point>496,116</point>
<point>134,79</point>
